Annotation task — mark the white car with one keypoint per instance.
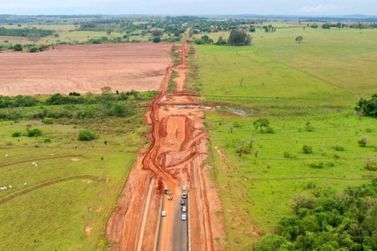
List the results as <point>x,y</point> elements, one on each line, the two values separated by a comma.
<point>184,217</point>
<point>184,209</point>
<point>184,195</point>
<point>164,213</point>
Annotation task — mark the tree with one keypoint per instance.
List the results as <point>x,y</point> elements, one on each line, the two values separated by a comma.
<point>239,37</point>
<point>299,39</point>
<point>252,29</point>
<point>17,47</point>
<point>367,107</point>
<point>156,33</point>
<point>326,26</point>
<point>261,124</point>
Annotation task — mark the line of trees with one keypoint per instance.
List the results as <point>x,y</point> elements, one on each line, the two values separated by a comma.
<point>25,32</point>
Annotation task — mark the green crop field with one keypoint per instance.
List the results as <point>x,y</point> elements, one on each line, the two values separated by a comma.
<point>56,192</point>
<point>308,92</point>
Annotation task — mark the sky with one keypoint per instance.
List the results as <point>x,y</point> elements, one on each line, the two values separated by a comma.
<point>191,7</point>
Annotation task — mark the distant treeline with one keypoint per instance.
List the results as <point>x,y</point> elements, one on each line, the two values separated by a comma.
<point>25,32</point>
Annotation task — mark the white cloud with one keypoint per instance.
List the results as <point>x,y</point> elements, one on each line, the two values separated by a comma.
<point>320,8</point>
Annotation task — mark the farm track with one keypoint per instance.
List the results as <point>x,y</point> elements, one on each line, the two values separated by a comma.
<point>14,195</point>
<point>39,159</point>
<point>174,159</point>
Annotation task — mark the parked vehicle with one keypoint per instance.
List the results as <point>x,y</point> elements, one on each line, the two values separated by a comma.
<point>184,209</point>
<point>184,195</point>
<point>164,213</point>
<point>183,202</point>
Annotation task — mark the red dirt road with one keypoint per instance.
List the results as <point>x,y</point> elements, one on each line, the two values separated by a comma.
<point>175,159</point>
<point>84,68</point>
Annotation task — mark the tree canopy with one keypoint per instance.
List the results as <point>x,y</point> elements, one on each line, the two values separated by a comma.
<point>239,37</point>
<point>368,107</point>
<point>329,221</point>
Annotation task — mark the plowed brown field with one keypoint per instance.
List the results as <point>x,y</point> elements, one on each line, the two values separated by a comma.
<point>84,68</point>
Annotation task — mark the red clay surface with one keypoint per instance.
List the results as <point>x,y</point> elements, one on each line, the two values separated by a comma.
<point>174,159</point>
<point>84,68</point>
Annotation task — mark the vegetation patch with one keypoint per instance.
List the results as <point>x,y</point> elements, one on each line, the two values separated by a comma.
<point>328,221</point>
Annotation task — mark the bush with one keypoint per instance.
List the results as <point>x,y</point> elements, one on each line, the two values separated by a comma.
<point>48,121</point>
<point>288,155</point>
<point>86,135</point>
<point>371,165</point>
<point>363,142</point>
<point>307,149</point>
<point>16,134</point>
<point>338,148</point>
<point>156,40</point>
<point>33,132</point>
<point>17,47</point>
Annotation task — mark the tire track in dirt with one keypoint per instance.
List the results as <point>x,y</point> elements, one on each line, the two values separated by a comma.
<point>39,159</point>
<point>14,195</point>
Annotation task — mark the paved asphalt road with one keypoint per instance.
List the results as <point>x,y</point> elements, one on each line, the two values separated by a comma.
<point>180,232</point>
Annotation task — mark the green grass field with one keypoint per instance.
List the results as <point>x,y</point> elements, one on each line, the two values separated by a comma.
<point>61,193</point>
<point>318,81</point>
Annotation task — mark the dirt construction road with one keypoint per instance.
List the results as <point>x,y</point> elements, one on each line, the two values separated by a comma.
<point>174,159</point>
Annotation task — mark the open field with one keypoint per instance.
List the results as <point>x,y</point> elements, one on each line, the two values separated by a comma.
<point>318,81</point>
<point>84,68</point>
<point>60,191</point>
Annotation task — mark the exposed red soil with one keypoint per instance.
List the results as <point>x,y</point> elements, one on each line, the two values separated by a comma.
<point>175,159</point>
<point>84,68</point>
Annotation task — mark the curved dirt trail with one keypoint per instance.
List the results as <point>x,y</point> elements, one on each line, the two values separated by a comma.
<point>174,159</point>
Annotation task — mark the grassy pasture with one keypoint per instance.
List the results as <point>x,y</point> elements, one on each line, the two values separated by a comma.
<point>318,81</point>
<point>62,192</point>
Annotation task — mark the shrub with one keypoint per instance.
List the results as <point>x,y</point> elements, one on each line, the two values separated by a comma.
<point>47,140</point>
<point>48,121</point>
<point>320,165</point>
<point>16,134</point>
<point>338,148</point>
<point>307,149</point>
<point>371,165</point>
<point>17,47</point>
<point>288,155</point>
<point>261,124</point>
<point>33,132</point>
<point>86,135</point>
<point>363,142</point>
<point>156,39</point>
<point>309,127</point>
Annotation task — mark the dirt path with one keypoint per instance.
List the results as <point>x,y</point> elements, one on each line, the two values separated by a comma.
<point>175,159</point>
